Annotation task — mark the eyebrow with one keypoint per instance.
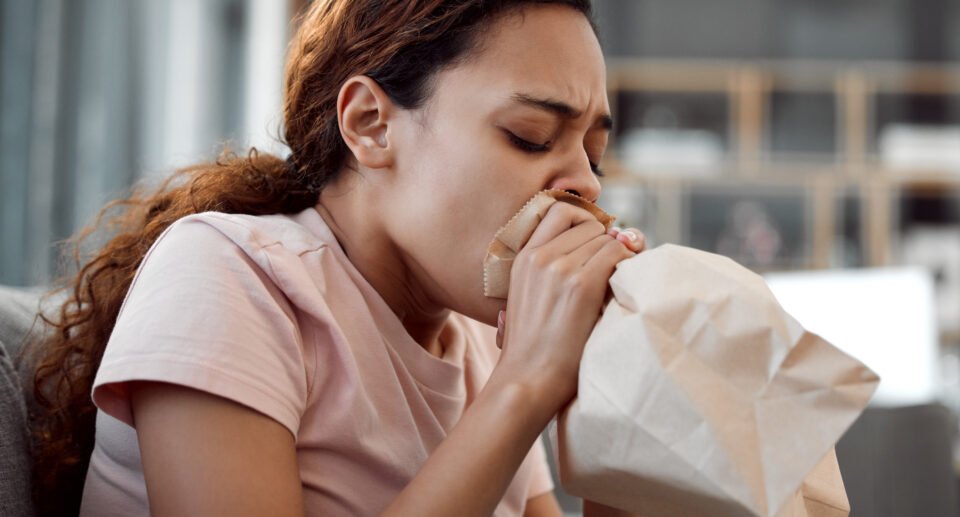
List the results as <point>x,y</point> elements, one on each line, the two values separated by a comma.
<point>560,108</point>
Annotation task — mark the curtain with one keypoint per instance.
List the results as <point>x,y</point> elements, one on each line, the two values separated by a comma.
<point>98,94</point>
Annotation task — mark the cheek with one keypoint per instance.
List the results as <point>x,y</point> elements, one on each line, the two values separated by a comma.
<point>477,185</point>
<point>447,218</point>
<point>462,190</point>
<point>465,179</point>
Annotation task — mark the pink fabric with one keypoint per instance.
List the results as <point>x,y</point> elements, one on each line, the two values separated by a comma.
<point>269,312</point>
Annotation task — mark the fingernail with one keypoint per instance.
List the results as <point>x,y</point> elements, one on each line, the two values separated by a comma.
<point>500,322</point>
<point>630,235</point>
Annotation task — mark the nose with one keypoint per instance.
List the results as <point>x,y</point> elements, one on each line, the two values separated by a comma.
<point>578,178</point>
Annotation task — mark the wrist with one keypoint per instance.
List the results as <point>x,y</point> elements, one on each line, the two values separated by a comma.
<point>537,398</point>
<point>594,509</point>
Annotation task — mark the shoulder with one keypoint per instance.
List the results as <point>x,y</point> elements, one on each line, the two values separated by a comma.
<point>248,232</point>
<point>279,248</point>
<point>214,307</point>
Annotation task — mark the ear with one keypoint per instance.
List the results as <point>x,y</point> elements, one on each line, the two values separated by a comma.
<point>364,112</point>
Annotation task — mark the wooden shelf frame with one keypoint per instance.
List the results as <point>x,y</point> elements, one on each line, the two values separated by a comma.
<point>748,87</point>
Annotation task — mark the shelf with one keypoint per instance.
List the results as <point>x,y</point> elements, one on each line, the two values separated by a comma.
<point>784,169</point>
<point>833,200</point>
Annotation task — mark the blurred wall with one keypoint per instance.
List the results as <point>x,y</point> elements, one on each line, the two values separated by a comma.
<point>97,94</point>
<point>806,29</point>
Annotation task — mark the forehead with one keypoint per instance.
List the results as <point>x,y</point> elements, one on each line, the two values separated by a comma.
<point>545,50</point>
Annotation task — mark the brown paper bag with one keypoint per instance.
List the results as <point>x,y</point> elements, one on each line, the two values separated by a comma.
<point>699,395</point>
<point>515,234</point>
<point>821,494</point>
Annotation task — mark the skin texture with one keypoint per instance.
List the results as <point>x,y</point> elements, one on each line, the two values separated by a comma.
<point>415,210</point>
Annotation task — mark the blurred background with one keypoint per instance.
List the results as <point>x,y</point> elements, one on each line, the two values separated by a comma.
<point>815,141</point>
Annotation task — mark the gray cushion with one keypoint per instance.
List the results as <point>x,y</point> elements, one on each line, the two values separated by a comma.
<point>899,461</point>
<point>14,444</point>
<point>17,314</point>
<point>18,309</point>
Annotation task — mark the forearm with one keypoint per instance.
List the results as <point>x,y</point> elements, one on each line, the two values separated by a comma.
<point>470,471</point>
<point>592,509</point>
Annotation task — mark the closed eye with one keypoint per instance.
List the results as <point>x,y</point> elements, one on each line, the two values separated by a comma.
<point>535,148</point>
<point>526,145</point>
<point>597,170</point>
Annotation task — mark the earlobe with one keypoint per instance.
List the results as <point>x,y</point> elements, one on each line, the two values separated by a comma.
<point>364,111</point>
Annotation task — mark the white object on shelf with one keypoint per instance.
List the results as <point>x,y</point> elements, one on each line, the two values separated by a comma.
<point>885,317</point>
<point>918,147</point>
<point>628,202</point>
<point>937,249</point>
<point>684,152</point>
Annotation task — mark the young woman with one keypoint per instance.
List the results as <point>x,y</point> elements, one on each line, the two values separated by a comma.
<point>287,337</point>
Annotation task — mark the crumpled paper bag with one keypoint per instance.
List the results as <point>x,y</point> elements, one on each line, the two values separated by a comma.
<point>821,494</point>
<point>698,395</point>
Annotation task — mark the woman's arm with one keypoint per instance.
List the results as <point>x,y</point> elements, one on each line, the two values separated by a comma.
<point>546,505</point>
<point>543,505</point>
<point>205,455</point>
<point>471,469</point>
<point>592,509</point>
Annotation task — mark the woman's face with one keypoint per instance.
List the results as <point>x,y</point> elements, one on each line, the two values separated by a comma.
<point>527,112</point>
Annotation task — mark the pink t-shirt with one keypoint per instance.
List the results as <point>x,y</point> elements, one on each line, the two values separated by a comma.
<point>268,311</point>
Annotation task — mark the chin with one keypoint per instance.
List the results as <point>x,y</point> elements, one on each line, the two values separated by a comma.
<point>485,310</point>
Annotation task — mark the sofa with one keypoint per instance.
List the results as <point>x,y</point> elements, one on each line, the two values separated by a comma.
<point>18,308</point>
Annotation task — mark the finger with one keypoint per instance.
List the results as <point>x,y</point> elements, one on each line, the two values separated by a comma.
<point>572,239</point>
<point>559,218</point>
<point>607,258</point>
<point>633,239</point>
<point>501,322</point>
<point>584,253</point>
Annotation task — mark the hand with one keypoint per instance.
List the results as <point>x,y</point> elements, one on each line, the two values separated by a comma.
<point>557,289</point>
<point>632,238</point>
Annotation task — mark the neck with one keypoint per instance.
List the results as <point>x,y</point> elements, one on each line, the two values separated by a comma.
<point>345,207</point>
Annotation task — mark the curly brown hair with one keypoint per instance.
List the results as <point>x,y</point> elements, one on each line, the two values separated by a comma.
<point>401,44</point>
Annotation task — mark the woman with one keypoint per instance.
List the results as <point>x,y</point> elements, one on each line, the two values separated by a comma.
<point>294,335</point>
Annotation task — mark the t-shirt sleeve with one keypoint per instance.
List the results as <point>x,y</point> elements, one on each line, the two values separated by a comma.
<point>541,480</point>
<point>202,312</point>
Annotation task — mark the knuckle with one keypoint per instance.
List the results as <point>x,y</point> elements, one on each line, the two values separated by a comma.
<point>566,211</point>
<point>555,268</point>
<point>616,250</point>
<point>558,210</point>
<point>535,259</point>
<point>541,260</point>
<point>574,285</point>
<point>581,283</point>
<point>601,240</point>
<point>596,227</point>
<point>612,246</point>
